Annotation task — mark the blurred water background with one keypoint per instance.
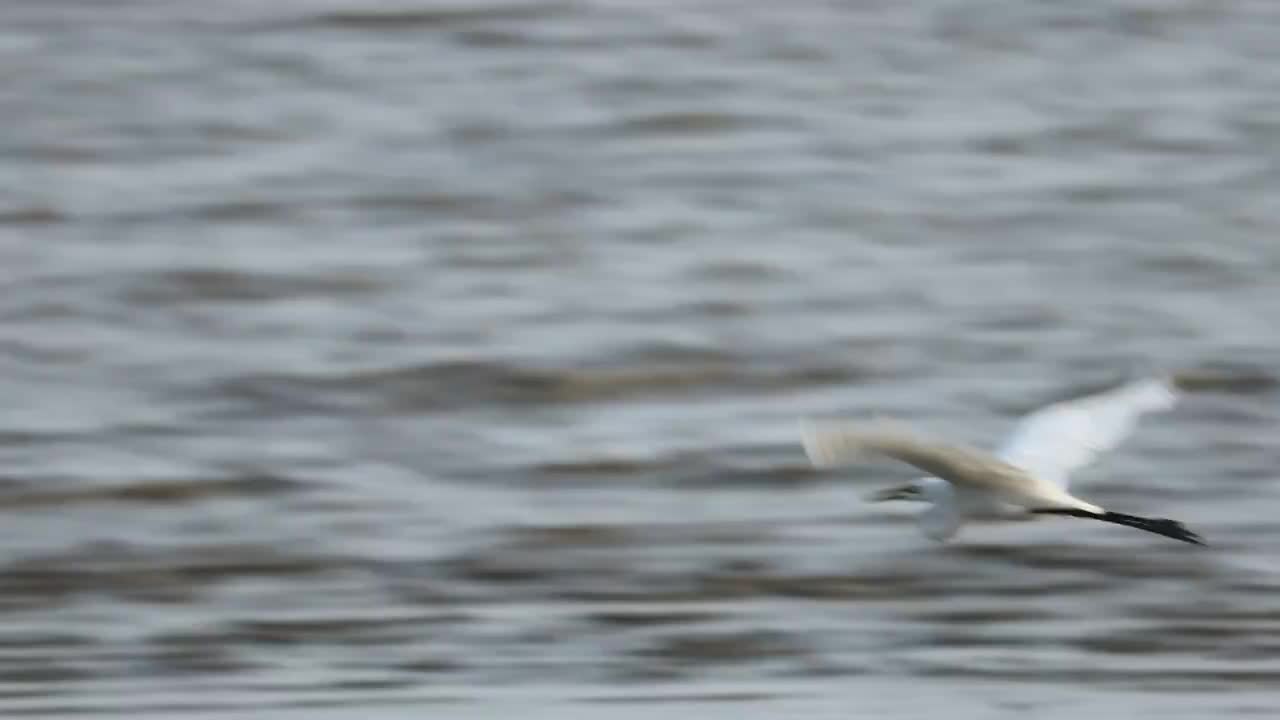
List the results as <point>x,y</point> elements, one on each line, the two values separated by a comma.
<point>444,359</point>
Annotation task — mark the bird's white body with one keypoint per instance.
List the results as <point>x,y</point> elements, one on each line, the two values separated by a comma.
<point>950,507</point>
<point>1028,473</point>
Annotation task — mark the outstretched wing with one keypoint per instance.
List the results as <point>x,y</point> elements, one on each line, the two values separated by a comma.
<point>1056,440</point>
<point>831,444</point>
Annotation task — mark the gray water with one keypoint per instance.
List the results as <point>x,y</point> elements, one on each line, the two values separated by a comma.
<point>445,360</point>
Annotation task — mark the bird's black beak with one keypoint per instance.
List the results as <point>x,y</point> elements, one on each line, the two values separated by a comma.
<point>898,493</point>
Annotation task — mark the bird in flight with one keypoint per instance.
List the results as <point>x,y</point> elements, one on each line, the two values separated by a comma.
<point>1027,477</point>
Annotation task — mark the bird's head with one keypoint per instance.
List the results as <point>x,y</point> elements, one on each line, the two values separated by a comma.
<point>930,489</point>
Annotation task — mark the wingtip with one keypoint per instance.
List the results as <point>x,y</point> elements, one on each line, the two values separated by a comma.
<point>810,440</point>
<point>1169,382</point>
<point>1159,391</point>
<point>1193,537</point>
<point>829,444</point>
<point>1177,531</point>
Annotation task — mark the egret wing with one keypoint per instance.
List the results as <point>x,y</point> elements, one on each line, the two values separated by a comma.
<point>832,444</point>
<point>1056,440</point>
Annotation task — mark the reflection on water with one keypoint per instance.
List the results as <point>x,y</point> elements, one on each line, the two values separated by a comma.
<point>380,359</point>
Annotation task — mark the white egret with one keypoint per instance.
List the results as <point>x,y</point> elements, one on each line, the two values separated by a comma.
<point>1026,477</point>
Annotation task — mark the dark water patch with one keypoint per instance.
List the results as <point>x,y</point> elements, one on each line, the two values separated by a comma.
<point>1010,144</point>
<point>504,257</point>
<point>234,211</point>
<point>984,616</point>
<point>132,573</point>
<point>1007,590</point>
<point>740,582</point>
<point>17,437</point>
<point>1163,639</point>
<point>721,697</point>
<point>641,534</point>
<point>641,619</point>
<point>32,215</point>
<point>1186,564</point>
<point>715,309</point>
<point>211,564</point>
<point>419,584</point>
<point>1021,319</point>
<point>778,474</point>
<point>773,579</point>
<point>735,271</point>
<point>429,666</point>
<point>59,152</point>
<point>691,124</point>
<point>984,638</point>
<point>691,471</point>
<point>348,631</point>
<point>45,673</point>
<point>441,16</point>
<point>375,684</point>
<point>155,492</point>
<point>343,630</point>
<point>1207,147</point>
<point>1259,614</point>
<point>587,565</point>
<point>1107,194</point>
<point>574,536</point>
<point>720,648</point>
<point>29,640</point>
<point>1225,379</point>
<point>478,131</point>
<point>232,637</point>
<point>33,354</point>
<point>594,470</point>
<point>1244,416</point>
<point>64,309</point>
<point>1179,615</point>
<point>1249,650</point>
<point>434,205</point>
<point>506,567</point>
<point>582,560</point>
<point>204,285</point>
<point>259,395</point>
<point>1199,268</point>
<point>1222,680</point>
<point>496,38</point>
<point>729,475</point>
<point>444,386</point>
<point>232,131</point>
<point>454,385</point>
<point>603,384</point>
<point>672,353</point>
<point>741,585</point>
<point>357,702</point>
<point>195,655</point>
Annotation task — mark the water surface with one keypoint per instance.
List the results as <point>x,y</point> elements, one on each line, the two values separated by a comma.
<point>366,359</point>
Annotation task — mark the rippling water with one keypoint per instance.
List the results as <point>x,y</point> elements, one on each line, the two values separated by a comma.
<point>363,359</point>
